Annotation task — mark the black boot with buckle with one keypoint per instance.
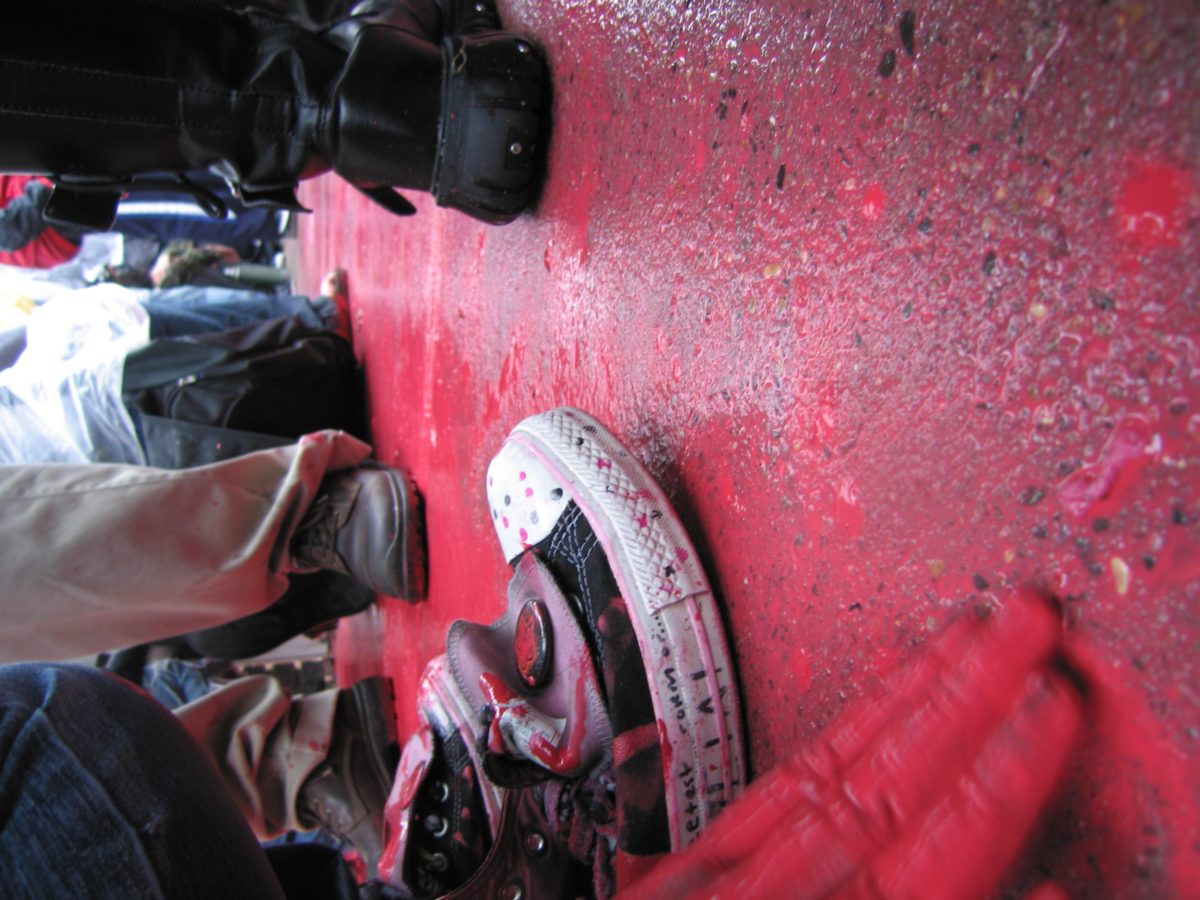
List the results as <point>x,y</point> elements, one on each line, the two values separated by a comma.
<point>100,96</point>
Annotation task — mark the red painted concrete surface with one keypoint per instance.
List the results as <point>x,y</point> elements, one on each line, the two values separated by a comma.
<point>901,317</point>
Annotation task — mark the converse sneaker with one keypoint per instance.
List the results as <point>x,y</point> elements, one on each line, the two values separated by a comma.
<point>439,818</point>
<point>452,830</point>
<point>565,491</point>
<point>598,719</point>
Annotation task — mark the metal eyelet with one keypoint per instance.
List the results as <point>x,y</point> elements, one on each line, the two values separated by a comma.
<point>535,844</point>
<point>436,826</point>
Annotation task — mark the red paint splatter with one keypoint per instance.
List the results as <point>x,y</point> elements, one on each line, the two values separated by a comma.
<point>847,512</point>
<point>566,759</point>
<point>1151,206</point>
<point>667,749</point>
<point>801,670</point>
<point>1121,458</point>
<point>874,200</point>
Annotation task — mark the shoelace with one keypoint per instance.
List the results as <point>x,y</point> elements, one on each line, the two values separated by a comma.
<point>446,845</point>
<point>315,540</point>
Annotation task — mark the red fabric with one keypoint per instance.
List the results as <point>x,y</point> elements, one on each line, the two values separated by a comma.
<point>928,792</point>
<point>48,249</point>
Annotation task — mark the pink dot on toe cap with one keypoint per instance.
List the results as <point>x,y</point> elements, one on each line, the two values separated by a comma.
<point>603,464</point>
<point>504,520</point>
<point>524,535</point>
<point>521,476</point>
<point>528,492</point>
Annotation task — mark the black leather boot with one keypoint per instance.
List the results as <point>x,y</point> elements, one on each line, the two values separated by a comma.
<point>94,94</point>
<point>365,523</point>
<point>347,793</point>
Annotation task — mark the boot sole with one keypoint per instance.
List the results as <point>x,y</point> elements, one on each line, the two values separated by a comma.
<point>415,576</point>
<point>674,614</point>
<point>410,513</point>
<point>373,700</point>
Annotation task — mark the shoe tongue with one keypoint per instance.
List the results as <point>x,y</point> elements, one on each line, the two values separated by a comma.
<point>533,670</point>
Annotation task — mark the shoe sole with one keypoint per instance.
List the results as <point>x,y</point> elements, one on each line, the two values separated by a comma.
<point>672,608</point>
<point>415,574</point>
<point>373,700</point>
<point>410,512</point>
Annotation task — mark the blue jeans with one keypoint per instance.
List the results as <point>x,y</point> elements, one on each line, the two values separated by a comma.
<point>191,309</point>
<point>103,795</point>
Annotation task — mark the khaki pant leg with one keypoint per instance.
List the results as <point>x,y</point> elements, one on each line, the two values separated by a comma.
<point>95,557</point>
<point>264,744</point>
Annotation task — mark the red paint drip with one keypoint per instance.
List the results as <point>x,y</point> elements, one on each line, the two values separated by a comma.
<point>566,759</point>
<point>563,760</point>
<point>667,749</point>
<point>1123,455</point>
<point>500,697</point>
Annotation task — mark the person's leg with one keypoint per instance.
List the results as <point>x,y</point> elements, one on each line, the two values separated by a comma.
<point>164,216</point>
<point>105,795</point>
<point>265,745</point>
<point>103,556</point>
<point>310,602</point>
<point>95,93</point>
<point>191,309</point>
<point>291,764</point>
